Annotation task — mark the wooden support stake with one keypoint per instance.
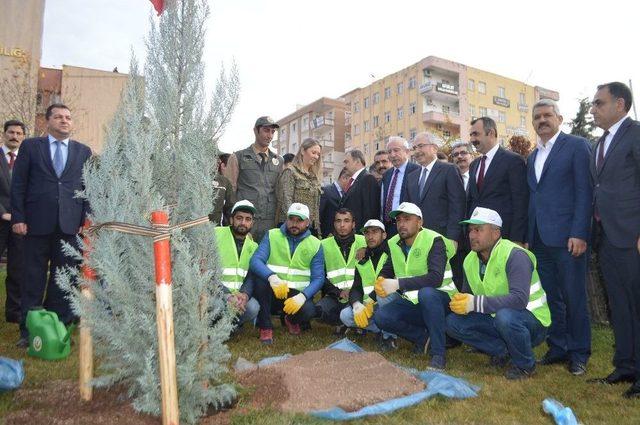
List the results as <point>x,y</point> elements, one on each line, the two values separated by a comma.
<point>164,320</point>
<point>85,353</point>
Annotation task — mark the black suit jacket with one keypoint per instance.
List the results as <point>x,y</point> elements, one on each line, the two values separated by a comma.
<point>42,200</point>
<point>329,204</point>
<point>363,198</point>
<point>443,199</point>
<point>5,184</point>
<point>617,186</point>
<point>386,182</point>
<point>504,190</point>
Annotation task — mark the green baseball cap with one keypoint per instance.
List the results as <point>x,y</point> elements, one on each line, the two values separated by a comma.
<point>266,121</point>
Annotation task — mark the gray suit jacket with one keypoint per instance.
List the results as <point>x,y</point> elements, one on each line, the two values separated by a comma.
<point>616,189</point>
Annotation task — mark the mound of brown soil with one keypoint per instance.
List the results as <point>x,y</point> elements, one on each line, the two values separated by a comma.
<point>318,380</point>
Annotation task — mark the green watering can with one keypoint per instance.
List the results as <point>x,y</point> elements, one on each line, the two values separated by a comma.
<point>49,339</point>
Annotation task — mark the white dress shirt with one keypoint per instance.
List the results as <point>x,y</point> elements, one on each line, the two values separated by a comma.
<point>425,171</point>
<point>612,133</point>
<point>487,161</point>
<point>465,179</point>
<point>543,154</point>
<point>398,188</point>
<point>6,151</point>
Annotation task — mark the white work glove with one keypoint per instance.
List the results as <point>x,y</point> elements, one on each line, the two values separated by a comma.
<point>384,287</point>
<point>360,315</point>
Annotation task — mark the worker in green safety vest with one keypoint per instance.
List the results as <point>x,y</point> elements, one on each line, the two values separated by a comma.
<point>289,266</point>
<point>235,249</point>
<point>340,251</point>
<point>362,298</point>
<point>502,310</point>
<point>420,259</point>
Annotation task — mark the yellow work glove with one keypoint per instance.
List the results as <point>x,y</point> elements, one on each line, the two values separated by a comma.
<point>384,287</point>
<point>368,305</point>
<point>293,304</point>
<point>461,303</point>
<point>278,287</point>
<point>360,315</point>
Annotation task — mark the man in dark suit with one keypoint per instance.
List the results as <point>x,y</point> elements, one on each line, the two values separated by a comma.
<point>330,201</point>
<point>394,181</point>
<point>615,168</point>
<point>436,188</point>
<point>560,197</point>
<point>498,180</point>
<point>44,209</point>
<point>14,133</point>
<point>363,192</point>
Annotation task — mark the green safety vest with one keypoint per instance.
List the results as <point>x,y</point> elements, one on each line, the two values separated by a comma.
<point>339,271</point>
<point>294,270</point>
<point>415,263</point>
<point>368,274</point>
<point>234,269</point>
<point>497,283</point>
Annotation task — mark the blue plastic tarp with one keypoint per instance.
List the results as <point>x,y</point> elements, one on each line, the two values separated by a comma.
<point>437,384</point>
<point>11,374</point>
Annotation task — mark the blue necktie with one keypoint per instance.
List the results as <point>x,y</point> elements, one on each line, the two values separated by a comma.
<point>58,162</point>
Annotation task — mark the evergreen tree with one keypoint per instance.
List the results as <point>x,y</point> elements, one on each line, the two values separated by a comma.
<point>161,153</point>
<point>582,125</point>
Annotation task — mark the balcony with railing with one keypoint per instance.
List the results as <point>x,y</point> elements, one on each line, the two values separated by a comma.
<point>438,116</point>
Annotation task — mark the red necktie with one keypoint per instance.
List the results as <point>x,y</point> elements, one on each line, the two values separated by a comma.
<point>12,159</point>
<point>351,180</point>
<point>389,202</point>
<point>480,180</point>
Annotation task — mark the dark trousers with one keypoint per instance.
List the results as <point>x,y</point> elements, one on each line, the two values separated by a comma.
<point>417,322</point>
<point>328,310</point>
<point>512,332</point>
<point>456,266</point>
<point>270,305</point>
<point>14,244</point>
<point>621,271</point>
<point>564,279</point>
<point>42,254</point>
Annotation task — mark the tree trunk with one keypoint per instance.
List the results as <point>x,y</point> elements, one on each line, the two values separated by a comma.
<point>596,292</point>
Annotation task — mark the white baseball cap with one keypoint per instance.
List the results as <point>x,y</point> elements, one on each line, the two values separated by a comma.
<point>407,208</point>
<point>482,215</point>
<point>373,223</point>
<point>243,205</point>
<point>299,210</point>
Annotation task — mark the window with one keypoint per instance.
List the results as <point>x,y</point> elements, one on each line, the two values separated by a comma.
<point>356,106</point>
<point>400,113</point>
<point>375,121</point>
<point>400,88</point>
<point>305,123</point>
<point>387,92</point>
<point>412,133</point>
<point>523,99</point>
<point>471,85</point>
<point>523,121</point>
<point>412,108</point>
<point>377,145</point>
<point>482,111</point>
<point>367,127</point>
<point>293,127</point>
<point>376,98</point>
<point>427,73</point>
<point>502,117</point>
<point>366,149</point>
<point>482,87</point>
<point>412,83</point>
<point>446,109</point>
<point>501,92</point>
<point>387,116</point>
<point>356,129</point>
<point>366,102</point>
<point>472,111</point>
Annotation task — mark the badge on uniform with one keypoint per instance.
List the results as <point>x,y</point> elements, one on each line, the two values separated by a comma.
<point>275,161</point>
<point>417,252</point>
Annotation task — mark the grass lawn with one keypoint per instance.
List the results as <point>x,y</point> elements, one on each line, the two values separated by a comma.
<point>499,401</point>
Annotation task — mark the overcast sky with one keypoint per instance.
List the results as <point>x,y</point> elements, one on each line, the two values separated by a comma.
<point>294,52</point>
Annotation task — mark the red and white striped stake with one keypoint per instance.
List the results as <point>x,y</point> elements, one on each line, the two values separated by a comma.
<point>85,353</point>
<point>164,320</point>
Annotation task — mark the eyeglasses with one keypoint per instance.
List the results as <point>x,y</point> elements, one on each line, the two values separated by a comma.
<point>457,154</point>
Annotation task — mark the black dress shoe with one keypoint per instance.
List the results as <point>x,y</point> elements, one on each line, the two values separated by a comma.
<point>549,360</point>
<point>633,391</point>
<point>22,343</point>
<point>577,368</point>
<point>614,377</point>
